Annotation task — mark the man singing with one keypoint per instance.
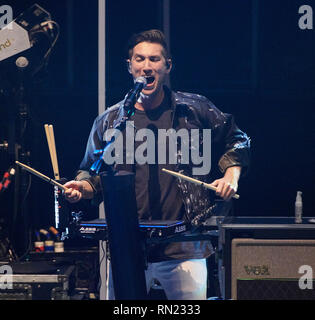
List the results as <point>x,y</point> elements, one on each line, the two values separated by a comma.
<point>180,267</point>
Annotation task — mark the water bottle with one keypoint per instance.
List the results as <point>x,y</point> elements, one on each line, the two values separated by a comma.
<point>298,207</point>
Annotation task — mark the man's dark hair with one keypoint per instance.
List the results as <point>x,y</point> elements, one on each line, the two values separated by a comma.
<point>153,36</point>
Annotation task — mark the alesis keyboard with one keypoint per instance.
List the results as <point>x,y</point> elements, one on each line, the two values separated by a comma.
<point>97,229</point>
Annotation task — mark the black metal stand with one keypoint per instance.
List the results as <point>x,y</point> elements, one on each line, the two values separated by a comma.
<point>128,112</point>
<point>18,150</point>
<point>126,245</point>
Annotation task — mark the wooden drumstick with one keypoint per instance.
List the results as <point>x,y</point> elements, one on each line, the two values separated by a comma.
<point>41,176</point>
<point>206,185</point>
<point>49,146</point>
<point>53,144</point>
<point>52,149</point>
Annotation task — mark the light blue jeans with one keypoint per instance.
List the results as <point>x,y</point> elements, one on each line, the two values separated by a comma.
<point>180,279</point>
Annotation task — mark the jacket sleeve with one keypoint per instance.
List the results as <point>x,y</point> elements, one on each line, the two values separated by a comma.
<point>237,147</point>
<point>95,142</point>
<point>234,142</point>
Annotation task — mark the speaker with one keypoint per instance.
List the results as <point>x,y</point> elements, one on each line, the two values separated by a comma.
<point>265,269</point>
<point>258,254</point>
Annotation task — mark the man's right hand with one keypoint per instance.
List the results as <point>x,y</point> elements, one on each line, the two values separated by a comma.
<point>77,190</point>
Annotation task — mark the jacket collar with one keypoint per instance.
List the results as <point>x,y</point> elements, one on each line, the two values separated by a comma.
<point>175,101</point>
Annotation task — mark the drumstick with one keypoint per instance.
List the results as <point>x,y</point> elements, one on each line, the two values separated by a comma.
<point>52,149</point>
<point>42,176</point>
<point>53,144</point>
<point>206,185</point>
<point>49,146</point>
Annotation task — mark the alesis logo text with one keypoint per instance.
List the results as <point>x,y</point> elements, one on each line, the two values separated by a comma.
<point>180,229</point>
<point>87,230</point>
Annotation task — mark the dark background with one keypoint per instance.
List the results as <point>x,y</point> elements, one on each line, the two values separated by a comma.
<point>249,57</point>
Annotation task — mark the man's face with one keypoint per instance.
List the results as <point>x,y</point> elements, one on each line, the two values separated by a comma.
<point>148,61</point>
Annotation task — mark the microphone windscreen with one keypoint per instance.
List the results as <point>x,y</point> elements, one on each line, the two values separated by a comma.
<point>141,80</point>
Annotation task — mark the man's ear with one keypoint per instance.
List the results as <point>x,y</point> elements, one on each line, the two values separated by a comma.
<point>128,64</point>
<point>169,64</point>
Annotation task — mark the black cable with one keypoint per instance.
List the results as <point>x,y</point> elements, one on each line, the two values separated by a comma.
<point>29,248</point>
<point>33,32</point>
<point>29,238</point>
<point>27,191</point>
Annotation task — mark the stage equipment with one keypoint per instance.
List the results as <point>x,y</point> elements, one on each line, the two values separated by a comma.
<point>37,281</point>
<point>13,40</point>
<point>155,232</point>
<point>49,129</point>
<point>126,245</point>
<point>260,258</point>
<point>6,180</point>
<point>97,229</point>
<point>84,280</point>
<point>25,47</point>
<point>134,93</point>
<point>24,33</point>
<point>125,242</point>
<point>4,145</point>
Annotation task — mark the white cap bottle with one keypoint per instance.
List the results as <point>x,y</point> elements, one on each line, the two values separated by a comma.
<point>298,207</point>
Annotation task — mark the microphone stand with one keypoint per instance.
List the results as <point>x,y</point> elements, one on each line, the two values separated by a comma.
<point>126,244</point>
<point>21,153</point>
<point>128,112</point>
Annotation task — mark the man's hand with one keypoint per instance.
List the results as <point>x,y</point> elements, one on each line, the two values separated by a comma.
<point>78,190</point>
<point>227,186</point>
